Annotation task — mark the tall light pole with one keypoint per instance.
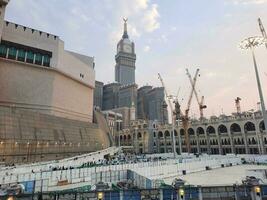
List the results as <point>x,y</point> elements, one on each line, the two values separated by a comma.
<point>250,44</point>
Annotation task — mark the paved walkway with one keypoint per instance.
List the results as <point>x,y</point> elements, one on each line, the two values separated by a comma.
<point>220,176</point>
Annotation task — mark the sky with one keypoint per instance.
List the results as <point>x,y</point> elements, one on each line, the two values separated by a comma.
<point>169,36</point>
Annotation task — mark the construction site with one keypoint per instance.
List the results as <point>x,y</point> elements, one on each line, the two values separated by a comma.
<point>66,135</point>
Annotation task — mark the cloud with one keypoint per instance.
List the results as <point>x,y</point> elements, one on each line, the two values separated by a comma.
<point>151,18</point>
<point>146,48</point>
<point>143,18</point>
<point>246,2</point>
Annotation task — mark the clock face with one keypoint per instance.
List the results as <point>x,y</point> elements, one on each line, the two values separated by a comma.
<point>127,48</point>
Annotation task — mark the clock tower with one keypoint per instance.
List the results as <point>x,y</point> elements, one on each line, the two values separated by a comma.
<point>125,59</point>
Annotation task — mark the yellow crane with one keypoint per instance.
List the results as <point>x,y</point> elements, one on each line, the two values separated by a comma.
<point>262,30</point>
<point>200,102</point>
<point>177,113</point>
<point>168,97</point>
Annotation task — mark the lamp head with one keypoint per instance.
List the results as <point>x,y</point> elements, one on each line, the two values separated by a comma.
<point>252,42</point>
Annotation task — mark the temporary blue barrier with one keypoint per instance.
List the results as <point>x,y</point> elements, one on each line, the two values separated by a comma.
<point>112,195</point>
<point>264,190</point>
<point>29,186</point>
<point>191,193</point>
<point>169,194</point>
<point>131,195</point>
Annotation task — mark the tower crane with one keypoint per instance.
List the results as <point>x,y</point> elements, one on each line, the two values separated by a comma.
<point>185,117</point>
<point>199,101</point>
<point>262,31</point>
<point>172,113</point>
<point>166,93</point>
<point>177,112</point>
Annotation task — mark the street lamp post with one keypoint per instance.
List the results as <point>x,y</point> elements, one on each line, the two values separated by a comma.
<point>173,127</point>
<point>179,137</point>
<point>251,43</point>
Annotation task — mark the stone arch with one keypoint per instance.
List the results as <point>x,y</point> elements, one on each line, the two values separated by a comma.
<point>200,131</point>
<point>249,126</point>
<point>182,132</point>
<point>129,137</point>
<point>167,133</point>
<point>160,134</point>
<point>235,128</point>
<point>124,137</point>
<point>191,131</point>
<point>175,133</point>
<point>222,129</point>
<point>139,135</point>
<point>211,130</point>
<point>253,141</point>
<point>262,126</point>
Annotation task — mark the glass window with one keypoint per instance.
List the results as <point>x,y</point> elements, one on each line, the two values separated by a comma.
<point>38,59</point>
<point>12,53</point>
<point>3,50</point>
<point>30,57</point>
<point>46,61</point>
<point>21,55</point>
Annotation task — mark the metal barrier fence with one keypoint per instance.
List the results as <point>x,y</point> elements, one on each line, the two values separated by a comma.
<point>46,180</point>
<point>240,192</point>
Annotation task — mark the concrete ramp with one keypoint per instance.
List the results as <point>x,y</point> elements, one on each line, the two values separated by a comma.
<point>103,126</point>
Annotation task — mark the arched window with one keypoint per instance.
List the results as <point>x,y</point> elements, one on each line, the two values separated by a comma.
<point>222,129</point>
<point>175,133</point>
<point>211,130</point>
<point>235,128</point>
<point>160,135</point>
<point>200,131</point>
<point>249,126</point>
<point>129,137</point>
<point>139,135</point>
<point>262,126</point>
<point>182,132</point>
<point>238,141</point>
<point>167,133</point>
<point>249,141</point>
<point>191,131</point>
<point>254,141</point>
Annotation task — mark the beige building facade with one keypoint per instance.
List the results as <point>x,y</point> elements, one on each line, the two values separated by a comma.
<point>46,98</point>
<point>237,134</point>
<point>38,74</point>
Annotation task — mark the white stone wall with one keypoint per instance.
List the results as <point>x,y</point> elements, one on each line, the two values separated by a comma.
<point>64,89</point>
<point>47,90</point>
<point>70,63</point>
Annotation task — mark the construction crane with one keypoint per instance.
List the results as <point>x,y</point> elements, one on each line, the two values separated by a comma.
<point>262,31</point>
<point>185,117</point>
<point>166,93</point>
<point>237,105</point>
<point>172,113</point>
<point>200,102</point>
<point>177,112</point>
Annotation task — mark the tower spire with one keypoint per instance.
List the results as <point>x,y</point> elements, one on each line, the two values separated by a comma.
<point>125,34</point>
